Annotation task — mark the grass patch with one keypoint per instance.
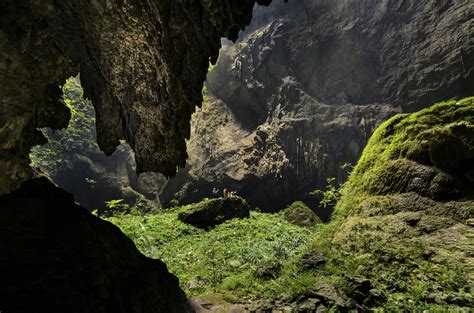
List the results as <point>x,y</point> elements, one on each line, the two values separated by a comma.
<point>252,257</point>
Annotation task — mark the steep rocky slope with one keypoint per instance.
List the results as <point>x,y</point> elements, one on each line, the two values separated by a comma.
<point>304,87</point>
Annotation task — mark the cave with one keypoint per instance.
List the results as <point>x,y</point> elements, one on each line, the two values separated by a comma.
<point>297,133</point>
<point>146,100</point>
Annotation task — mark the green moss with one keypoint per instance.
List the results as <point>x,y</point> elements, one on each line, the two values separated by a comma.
<point>298,213</point>
<point>437,142</point>
<point>412,248</point>
<point>390,226</point>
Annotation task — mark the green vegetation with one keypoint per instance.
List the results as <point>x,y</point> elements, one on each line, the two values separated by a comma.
<point>65,145</point>
<point>388,229</point>
<point>440,136</point>
<point>253,256</point>
<point>330,195</point>
<point>298,213</point>
<point>390,245</point>
<point>333,191</point>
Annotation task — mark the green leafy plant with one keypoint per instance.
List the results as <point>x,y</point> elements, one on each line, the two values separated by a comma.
<point>330,195</point>
<point>333,191</point>
<point>114,204</point>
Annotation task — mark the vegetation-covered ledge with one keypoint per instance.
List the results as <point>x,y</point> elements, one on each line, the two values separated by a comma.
<point>142,64</point>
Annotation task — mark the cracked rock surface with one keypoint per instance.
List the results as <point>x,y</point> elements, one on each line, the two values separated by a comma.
<point>307,83</point>
<point>142,63</point>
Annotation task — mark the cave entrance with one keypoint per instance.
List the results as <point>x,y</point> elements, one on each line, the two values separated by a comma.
<point>72,159</point>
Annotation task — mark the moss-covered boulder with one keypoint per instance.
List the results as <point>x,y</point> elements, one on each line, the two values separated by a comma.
<point>212,212</point>
<point>299,214</point>
<point>430,152</point>
<point>403,219</point>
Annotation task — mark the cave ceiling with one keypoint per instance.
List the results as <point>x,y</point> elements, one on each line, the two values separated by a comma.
<point>142,63</point>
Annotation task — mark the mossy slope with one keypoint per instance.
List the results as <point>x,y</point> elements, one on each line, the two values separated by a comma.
<point>430,152</point>
<point>405,217</point>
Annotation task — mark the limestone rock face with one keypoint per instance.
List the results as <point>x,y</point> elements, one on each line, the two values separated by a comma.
<point>405,53</point>
<point>57,257</point>
<point>94,179</point>
<point>210,213</point>
<point>307,83</point>
<point>142,64</point>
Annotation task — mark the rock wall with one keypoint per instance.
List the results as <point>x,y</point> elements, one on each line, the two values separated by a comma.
<point>307,83</point>
<point>73,160</point>
<point>142,64</point>
<point>94,179</point>
<point>409,205</point>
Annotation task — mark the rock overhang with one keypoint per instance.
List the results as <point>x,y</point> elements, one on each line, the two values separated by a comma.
<point>142,64</point>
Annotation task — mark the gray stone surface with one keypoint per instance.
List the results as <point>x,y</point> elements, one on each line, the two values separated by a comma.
<point>306,84</point>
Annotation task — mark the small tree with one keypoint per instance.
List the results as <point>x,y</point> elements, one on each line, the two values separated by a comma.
<point>332,193</point>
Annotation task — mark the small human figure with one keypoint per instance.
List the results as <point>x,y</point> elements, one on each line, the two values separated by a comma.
<point>226,193</point>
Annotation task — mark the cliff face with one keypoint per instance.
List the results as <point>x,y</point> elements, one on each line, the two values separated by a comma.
<point>142,64</point>
<point>307,83</point>
<point>94,179</point>
<point>73,160</point>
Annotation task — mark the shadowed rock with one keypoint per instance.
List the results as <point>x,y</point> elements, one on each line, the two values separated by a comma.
<point>210,213</point>
<point>57,257</point>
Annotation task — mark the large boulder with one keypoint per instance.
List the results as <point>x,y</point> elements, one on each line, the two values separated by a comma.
<point>430,153</point>
<point>209,213</point>
<point>404,221</point>
<point>299,214</point>
<point>57,257</point>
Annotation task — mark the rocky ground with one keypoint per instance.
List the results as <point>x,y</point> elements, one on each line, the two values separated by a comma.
<point>297,96</point>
